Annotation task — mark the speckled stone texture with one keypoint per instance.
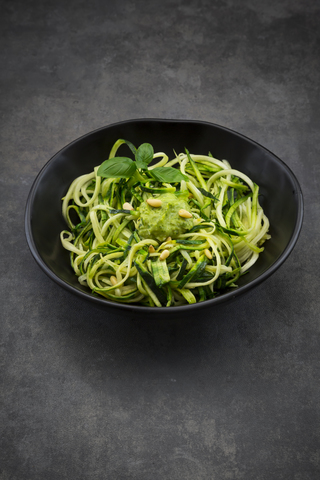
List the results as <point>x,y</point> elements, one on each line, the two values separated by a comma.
<point>89,395</point>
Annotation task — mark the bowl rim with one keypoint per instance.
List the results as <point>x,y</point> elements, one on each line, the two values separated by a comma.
<point>140,309</point>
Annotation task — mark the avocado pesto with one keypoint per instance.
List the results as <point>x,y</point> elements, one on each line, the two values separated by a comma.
<point>162,232</point>
<point>164,221</point>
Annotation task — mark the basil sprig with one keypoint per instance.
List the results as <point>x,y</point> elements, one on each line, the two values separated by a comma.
<point>124,167</point>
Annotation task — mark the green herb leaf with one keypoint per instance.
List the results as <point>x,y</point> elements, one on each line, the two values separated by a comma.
<point>118,167</point>
<point>144,155</point>
<point>168,174</point>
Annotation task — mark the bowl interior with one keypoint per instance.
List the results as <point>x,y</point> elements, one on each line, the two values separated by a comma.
<point>280,194</point>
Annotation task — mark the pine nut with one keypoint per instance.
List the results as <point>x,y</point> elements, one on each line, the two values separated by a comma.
<point>184,213</point>
<point>127,206</point>
<point>165,254</point>
<point>151,249</point>
<point>113,280</point>
<point>154,202</point>
<point>168,239</point>
<point>208,253</point>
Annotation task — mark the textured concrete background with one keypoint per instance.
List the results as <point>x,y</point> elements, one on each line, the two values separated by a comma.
<point>87,395</point>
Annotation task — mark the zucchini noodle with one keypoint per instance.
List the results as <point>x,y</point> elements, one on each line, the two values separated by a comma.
<point>120,253</point>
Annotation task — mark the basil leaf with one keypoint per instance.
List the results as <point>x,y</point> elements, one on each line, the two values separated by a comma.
<point>118,167</point>
<point>144,155</point>
<point>167,174</point>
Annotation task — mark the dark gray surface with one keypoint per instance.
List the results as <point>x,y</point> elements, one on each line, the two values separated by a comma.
<point>89,395</point>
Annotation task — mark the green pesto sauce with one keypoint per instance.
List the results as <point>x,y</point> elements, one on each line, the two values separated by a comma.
<point>159,223</point>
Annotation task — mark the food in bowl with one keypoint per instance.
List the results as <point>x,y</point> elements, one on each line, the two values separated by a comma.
<point>168,233</point>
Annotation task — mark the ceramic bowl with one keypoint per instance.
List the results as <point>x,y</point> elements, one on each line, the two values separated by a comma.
<point>280,197</point>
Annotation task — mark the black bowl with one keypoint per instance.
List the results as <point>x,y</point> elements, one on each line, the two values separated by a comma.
<point>280,197</point>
